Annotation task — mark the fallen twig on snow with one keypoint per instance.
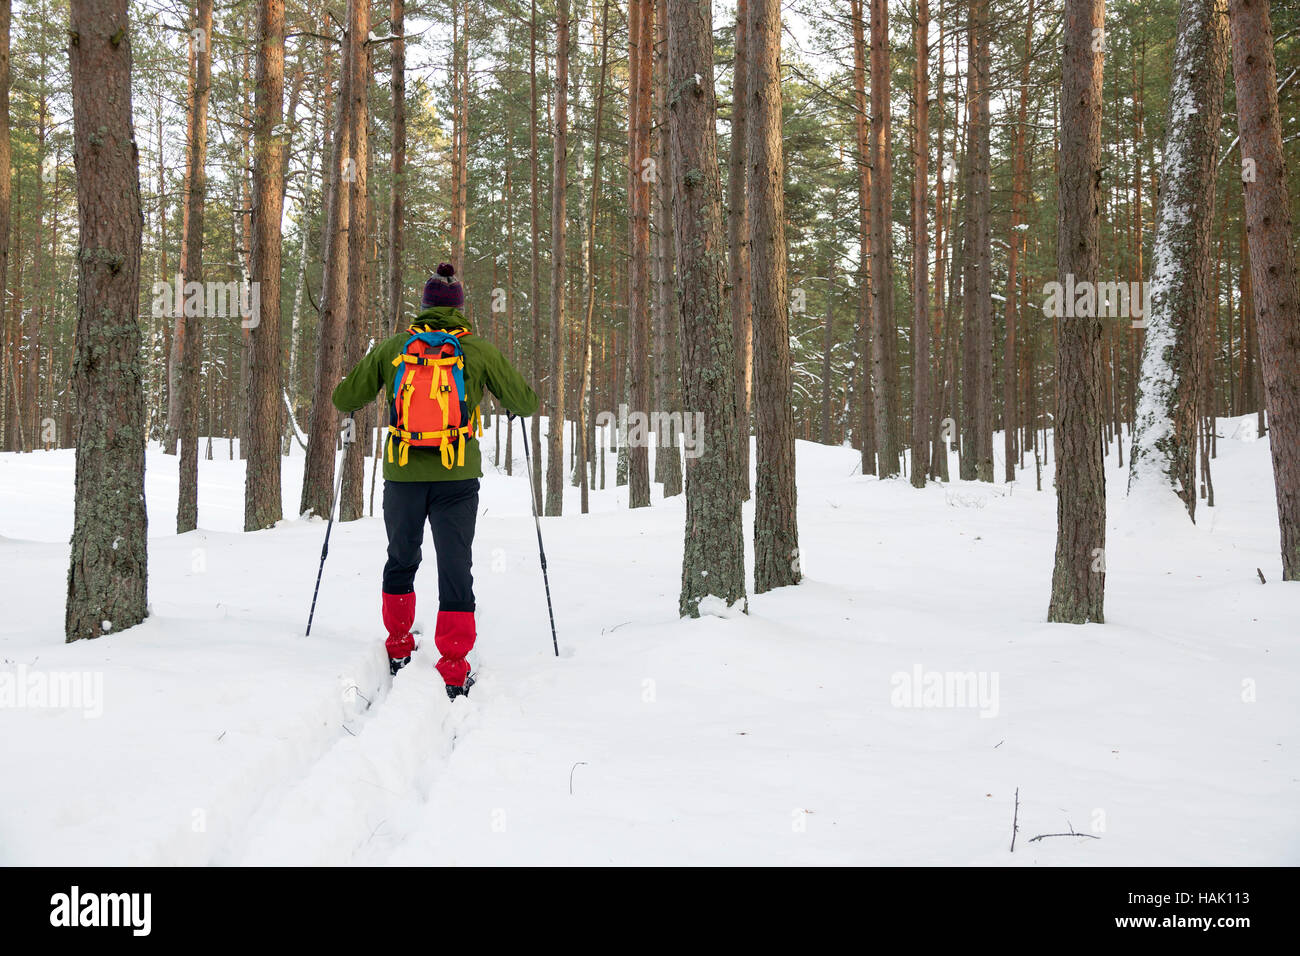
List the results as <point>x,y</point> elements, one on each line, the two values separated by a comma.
<point>1015,821</point>
<point>1073,832</point>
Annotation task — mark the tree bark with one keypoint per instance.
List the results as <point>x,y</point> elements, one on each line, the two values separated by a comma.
<point>640,48</point>
<point>397,167</point>
<point>359,310</point>
<point>584,383</point>
<point>1016,244</point>
<point>885,336</point>
<point>1274,283</point>
<point>668,460</point>
<point>8,404</point>
<point>535,290</point>
<point>559,183</point>
<point>107,574</point>
<point>713,561</point>
<point>191,328</point>
<point>1079,575</point>
<point>921,253</point>
<point>742,315</point>
<point>1175,359</point>
<point>977,274</point>
<point>262,502</point>
<point>323,428</point>
<point>776,536</point>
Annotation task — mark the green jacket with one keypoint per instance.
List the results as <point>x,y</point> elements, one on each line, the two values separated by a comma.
<point>484,365</point>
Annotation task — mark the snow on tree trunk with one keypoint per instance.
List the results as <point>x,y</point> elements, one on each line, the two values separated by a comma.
<point>1174,359</point>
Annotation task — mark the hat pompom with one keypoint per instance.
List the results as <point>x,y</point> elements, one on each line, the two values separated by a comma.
<point>446,270</point>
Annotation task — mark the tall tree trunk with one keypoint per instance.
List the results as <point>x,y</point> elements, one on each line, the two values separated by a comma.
<point>262,503</point>
<point>357,329</point>
<point>535,290</point>
<point>559,184</point>
<point>293,384</point>
<point>1079,574</point>
<point>584,384</point>
<point>190,331</point>
<point>865,422</point>
<point>667,324</point>
<point>828,339</point>
<point>176,353</point>
<point>459,174</point>
<point>742,315</point>
<point>7,403</point>
<point>885,337</point>
<point>977,274</point>
<point>1274,283</point>
<point>668,461</point>
<point>1175,361</point>
<point>713,560</point>
<point>640,50</point>
<point>107,574</point>
<point>323,429</point>
<point>396,205</point>
<point>776,536</point>
<point>921,253</point>
<point>1016,247</point>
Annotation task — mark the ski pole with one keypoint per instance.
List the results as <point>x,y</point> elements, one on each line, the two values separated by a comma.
<point>532,496</point>
<point>325,548</point>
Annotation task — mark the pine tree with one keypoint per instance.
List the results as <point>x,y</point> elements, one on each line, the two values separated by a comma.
<point>713,561</point>
<point>1079,574</point>
<point>1274,283</point>
<point>107,575</point>
<point>776,536</point>
<point>262,502</point>
<point>559,224</point>
<point>1174,358</point>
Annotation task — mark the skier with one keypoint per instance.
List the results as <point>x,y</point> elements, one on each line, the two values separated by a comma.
<point>433,375</point>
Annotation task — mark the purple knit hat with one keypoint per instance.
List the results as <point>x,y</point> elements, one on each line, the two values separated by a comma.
<point>442,289</point>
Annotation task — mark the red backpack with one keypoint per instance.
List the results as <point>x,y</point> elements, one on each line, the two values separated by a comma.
<point>429,409</point>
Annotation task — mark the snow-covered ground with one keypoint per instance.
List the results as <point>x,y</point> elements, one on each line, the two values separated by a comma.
<point>216,733</point>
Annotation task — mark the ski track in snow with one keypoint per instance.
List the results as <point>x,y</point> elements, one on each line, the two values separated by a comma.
<point>772,738</point>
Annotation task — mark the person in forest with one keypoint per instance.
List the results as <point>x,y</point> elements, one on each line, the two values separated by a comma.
<point>433,375</point>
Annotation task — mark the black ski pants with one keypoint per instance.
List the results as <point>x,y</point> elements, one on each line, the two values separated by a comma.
<point>450,508</point>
